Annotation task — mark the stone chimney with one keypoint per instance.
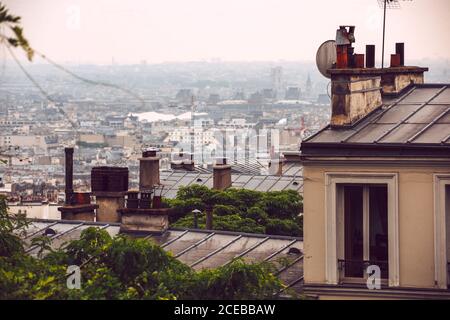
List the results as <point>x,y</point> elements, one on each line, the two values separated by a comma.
<point>139,216</point>
<point>149,169</point>
<point>356,91</point>
<point>221,174</point>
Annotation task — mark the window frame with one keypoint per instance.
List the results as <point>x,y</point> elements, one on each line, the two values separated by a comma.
<point>440,241</point>
<point>334,223</point>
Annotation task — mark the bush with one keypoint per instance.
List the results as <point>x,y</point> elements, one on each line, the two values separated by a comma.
<point>251,210</point>
<point>127,268</point>
<point>237,223</point>
<point>283,227</point>
<point>257,214</point>
<point>222,210</point>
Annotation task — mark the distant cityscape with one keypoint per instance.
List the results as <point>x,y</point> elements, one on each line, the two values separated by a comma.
<point>196,111</point>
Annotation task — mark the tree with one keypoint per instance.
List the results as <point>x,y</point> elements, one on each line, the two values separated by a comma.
<point>121,267</point>
<point>240,210</point>
<point>11,227</point>
<point>13,24</point>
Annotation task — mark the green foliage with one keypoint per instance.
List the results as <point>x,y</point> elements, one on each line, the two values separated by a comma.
<point>17,38</point>
<point>283,227</point>
<point>236,281</point>
<point>126,268</point>
<point>11,226</point>
<point>257,214</point>
<point>240,210</point>
<point>282,204</point>
<point>222,210</point>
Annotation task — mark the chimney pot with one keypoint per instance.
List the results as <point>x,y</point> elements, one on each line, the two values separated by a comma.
<point>400,49</point>
<point>149,170</point>
<point>395,60</point>
<point>221,175</point>
<point>370,56</point>
<point>358,60</point>
<point>69,174</point>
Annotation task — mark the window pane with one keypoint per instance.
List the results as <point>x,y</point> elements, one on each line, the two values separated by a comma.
<point>353,225</point>
<point>378,226</point>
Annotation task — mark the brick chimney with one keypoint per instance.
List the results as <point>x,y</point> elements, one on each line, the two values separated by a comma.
<point>149,169</point>
<point>221,174</point>
<point>355,90</point>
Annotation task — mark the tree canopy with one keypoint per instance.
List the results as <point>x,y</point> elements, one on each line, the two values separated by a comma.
<point>119,267</point>
<point>240,210</point>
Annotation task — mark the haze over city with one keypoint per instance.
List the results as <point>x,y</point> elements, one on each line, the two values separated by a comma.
<point>129,32</point>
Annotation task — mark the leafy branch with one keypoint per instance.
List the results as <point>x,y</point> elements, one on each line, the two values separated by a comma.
<point>17,38</point>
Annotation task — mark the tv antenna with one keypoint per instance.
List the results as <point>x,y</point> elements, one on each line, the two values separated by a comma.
<point>387,4</point>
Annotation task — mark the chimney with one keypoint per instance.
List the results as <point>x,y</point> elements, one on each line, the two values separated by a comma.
<point>183,162</point>
<point>109,186</point>
<point>69,174</point>
<point>78,204</point>
<point>356,91</point>
<point>370,56</point>
<point>221,174</point>
<point>276,166</point>
<point>139,216</point>
<point>149,169</point>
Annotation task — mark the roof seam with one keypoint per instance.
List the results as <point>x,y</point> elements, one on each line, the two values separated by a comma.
<point>382,136</point>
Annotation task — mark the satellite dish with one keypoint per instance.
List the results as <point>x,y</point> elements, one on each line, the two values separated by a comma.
<point>326,57</point>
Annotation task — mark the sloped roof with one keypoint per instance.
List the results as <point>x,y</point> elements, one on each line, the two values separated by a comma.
<point>416,123</point>
<point>291,180</point>
<point>197,248</point>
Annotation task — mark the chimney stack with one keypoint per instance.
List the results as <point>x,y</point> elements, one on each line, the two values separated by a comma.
<point>78,204</point>
<point>356,91</point>
<point>139,215</point>
<point>221,174</point>
<point>68,174</point>
<point>149,169</point>
<point>370,56</point>
<point>400,50</point>
<point>109,185</point>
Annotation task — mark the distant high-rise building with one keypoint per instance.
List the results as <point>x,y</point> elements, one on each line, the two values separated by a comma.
<point>184,95</point>
<point>276,76</point>
<point>269,94</point>
<point>293,93</point>
<point>214,98</point>
<point>308,86</point>
<point>239,96</point>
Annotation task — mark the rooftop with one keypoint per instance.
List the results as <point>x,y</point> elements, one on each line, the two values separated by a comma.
<point>415,123</point>
<point>291,179</point>
<point>197,248</point>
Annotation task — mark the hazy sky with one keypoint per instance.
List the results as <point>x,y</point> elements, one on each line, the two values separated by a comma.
<point>95,31</point>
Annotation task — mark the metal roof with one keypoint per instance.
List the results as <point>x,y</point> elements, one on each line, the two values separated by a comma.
<point>417,120</point>
<point>290,180</point>
<point>199,249</point>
